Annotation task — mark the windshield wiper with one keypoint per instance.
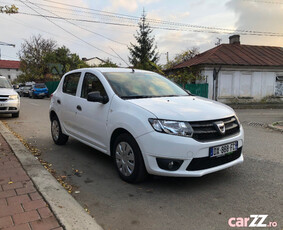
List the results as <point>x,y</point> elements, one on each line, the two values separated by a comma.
<point>137,97</point>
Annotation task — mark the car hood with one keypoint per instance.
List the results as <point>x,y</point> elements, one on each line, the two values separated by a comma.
<point>6,91</point>
<point>184,108</point>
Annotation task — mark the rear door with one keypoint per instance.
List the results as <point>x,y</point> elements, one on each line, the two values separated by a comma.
<point>67,101</point>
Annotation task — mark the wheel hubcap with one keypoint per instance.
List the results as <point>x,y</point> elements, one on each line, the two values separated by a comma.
<point>55,129</point>
<point>125,158</point>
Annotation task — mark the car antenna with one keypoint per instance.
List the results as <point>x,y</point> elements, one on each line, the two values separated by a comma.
<point>122,59</point>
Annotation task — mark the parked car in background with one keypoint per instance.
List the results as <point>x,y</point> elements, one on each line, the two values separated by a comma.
<point>147,123</point>
<point>17,88</point>
<point>24,91</point>
<point>38,90</point>
<point>9,98</point>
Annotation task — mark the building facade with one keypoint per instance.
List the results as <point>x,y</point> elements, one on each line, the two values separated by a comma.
<point>10,69</point>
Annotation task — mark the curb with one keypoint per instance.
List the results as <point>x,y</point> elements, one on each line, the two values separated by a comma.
<point>273,126</point>
<point>67,210</point>
<point>256,106</point>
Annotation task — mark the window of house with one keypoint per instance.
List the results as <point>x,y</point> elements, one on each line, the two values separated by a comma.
<point>9,77</point>
<point>279,86</point>
<point>91,84</point>
<point>70,83</point>
<point>279,78</point>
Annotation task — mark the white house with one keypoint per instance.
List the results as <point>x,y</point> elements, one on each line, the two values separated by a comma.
<point>237,72</point>
<point>95,61</point>
<point>10,69</point>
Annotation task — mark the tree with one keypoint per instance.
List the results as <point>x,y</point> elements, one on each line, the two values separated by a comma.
<point>182,57</point>
<point>143,55</point>
<point>108,63</point>
<point>61,60</point>
<point>32,57</point>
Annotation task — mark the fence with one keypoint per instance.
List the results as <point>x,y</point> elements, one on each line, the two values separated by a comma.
<point>52,86</point>
<point>198,89</point>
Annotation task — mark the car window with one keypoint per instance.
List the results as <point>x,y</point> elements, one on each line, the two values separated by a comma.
<point>71,83</point>
<point>4,83</point>
<point>40,85</point>
<point>90,84</point>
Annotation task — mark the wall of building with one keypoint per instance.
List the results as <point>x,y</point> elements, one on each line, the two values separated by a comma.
<point>10,74</point>
<point>245,84</point>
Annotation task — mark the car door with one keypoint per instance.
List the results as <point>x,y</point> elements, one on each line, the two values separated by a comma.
<point>67,101</point>
<point>92,116</point>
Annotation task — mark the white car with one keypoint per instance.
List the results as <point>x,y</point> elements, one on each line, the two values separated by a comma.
<point>9,98</point>
<point>147,123</point>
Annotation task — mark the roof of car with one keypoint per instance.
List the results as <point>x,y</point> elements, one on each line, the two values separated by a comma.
<point>109,70</point>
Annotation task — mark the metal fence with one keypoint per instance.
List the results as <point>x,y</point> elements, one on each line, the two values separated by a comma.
<point>198,89</point>
<point>52,86</point>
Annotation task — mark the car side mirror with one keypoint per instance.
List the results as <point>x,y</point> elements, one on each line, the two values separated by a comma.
<point>96,97</point>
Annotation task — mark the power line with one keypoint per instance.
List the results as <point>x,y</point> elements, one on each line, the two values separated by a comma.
<point>110,39</point>
<point>193,29</point>
<point>263,1</point>
<point>46,17</point>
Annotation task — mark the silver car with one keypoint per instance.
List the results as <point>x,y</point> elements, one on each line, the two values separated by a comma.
<point>9,98</point>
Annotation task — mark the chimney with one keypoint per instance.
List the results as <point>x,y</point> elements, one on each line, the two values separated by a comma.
<point>234,39</point>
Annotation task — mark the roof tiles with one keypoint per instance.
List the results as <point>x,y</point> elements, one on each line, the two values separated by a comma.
<point>5,64</point>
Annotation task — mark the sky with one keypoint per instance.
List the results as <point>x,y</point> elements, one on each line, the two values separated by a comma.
<point>105,28</point>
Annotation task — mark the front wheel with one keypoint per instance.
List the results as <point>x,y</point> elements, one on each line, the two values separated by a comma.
<point>128,159</point>
<point>58,137</point>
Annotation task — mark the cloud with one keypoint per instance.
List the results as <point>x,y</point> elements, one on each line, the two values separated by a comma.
<point>258,16</point>
<point>129,5</point>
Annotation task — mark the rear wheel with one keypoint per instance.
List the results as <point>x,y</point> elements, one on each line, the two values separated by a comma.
<point>128,159</point>
<point>58,137</point>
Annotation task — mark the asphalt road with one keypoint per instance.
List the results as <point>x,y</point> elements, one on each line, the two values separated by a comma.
<point>255,187</point>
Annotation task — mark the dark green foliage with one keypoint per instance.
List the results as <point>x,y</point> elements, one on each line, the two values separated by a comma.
<point>143,55</point>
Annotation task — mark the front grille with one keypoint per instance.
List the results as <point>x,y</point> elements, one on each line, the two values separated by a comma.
<point>208,162</point>
<point>206,130</point>
<point>3,108</point>
<point>4,97</point>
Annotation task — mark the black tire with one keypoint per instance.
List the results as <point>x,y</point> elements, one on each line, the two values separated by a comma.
<point>16,114</point>
<point>33,96</point>
<point>58,137</point>
<point>139,172</point>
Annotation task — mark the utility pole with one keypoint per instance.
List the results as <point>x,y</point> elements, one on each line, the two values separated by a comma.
<point>5,44</point>
<point>167,55</point>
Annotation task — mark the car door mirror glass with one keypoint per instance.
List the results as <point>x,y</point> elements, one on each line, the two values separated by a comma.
<point>96,97</point>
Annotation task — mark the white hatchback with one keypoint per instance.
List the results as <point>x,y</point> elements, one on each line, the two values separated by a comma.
<point>147,123</point>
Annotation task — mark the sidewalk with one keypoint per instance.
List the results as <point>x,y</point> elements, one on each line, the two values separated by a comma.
<point>30,197</point>
<point>21,206</point>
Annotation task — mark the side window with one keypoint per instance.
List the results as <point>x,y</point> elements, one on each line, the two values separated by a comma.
<point>90,84</point>
<point>71,83</point>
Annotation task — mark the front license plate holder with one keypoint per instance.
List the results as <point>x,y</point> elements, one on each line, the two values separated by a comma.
<point>222,150</point>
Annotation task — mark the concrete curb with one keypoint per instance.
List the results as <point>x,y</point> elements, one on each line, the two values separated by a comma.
<point>273,126</point>
<point>68,211</point>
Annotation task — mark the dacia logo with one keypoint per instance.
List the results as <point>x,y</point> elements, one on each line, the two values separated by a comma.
<point>220,127</point>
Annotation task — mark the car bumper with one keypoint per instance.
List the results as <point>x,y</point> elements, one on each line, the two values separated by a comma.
<point>194,155</point>
<point>9,106</point>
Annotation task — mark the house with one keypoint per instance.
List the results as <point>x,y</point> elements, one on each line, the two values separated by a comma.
<point>95,61</point>
<point>10,69</point>
<point>240,73</point>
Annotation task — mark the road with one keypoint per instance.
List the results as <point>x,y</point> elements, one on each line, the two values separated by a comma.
<point>254,187</point>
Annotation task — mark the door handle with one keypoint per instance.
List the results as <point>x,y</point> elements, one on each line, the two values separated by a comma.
<point>79,108</point>
<point>58,101</point>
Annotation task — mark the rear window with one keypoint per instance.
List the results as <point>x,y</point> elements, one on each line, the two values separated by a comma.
<point>70,84</point>
<point>40,85</point>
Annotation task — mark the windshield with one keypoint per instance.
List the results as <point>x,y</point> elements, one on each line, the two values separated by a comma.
<point>4,83</point>
<point>142,85</point>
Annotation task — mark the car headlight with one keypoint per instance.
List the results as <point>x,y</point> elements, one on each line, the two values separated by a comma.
<point>14,97</point>
<point>179,128</point>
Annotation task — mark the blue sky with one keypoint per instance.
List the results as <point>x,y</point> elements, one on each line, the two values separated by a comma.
<point>255,15</point>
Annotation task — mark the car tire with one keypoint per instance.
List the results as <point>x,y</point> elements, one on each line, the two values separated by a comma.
<point>58,137</point>
<point>16,114</point>
<point>33,96</point>
<point>128,159</point>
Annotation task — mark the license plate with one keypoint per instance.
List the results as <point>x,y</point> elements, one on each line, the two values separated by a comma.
<point>1,105</point>
<point>222,150</point>
<point>41,94</point>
